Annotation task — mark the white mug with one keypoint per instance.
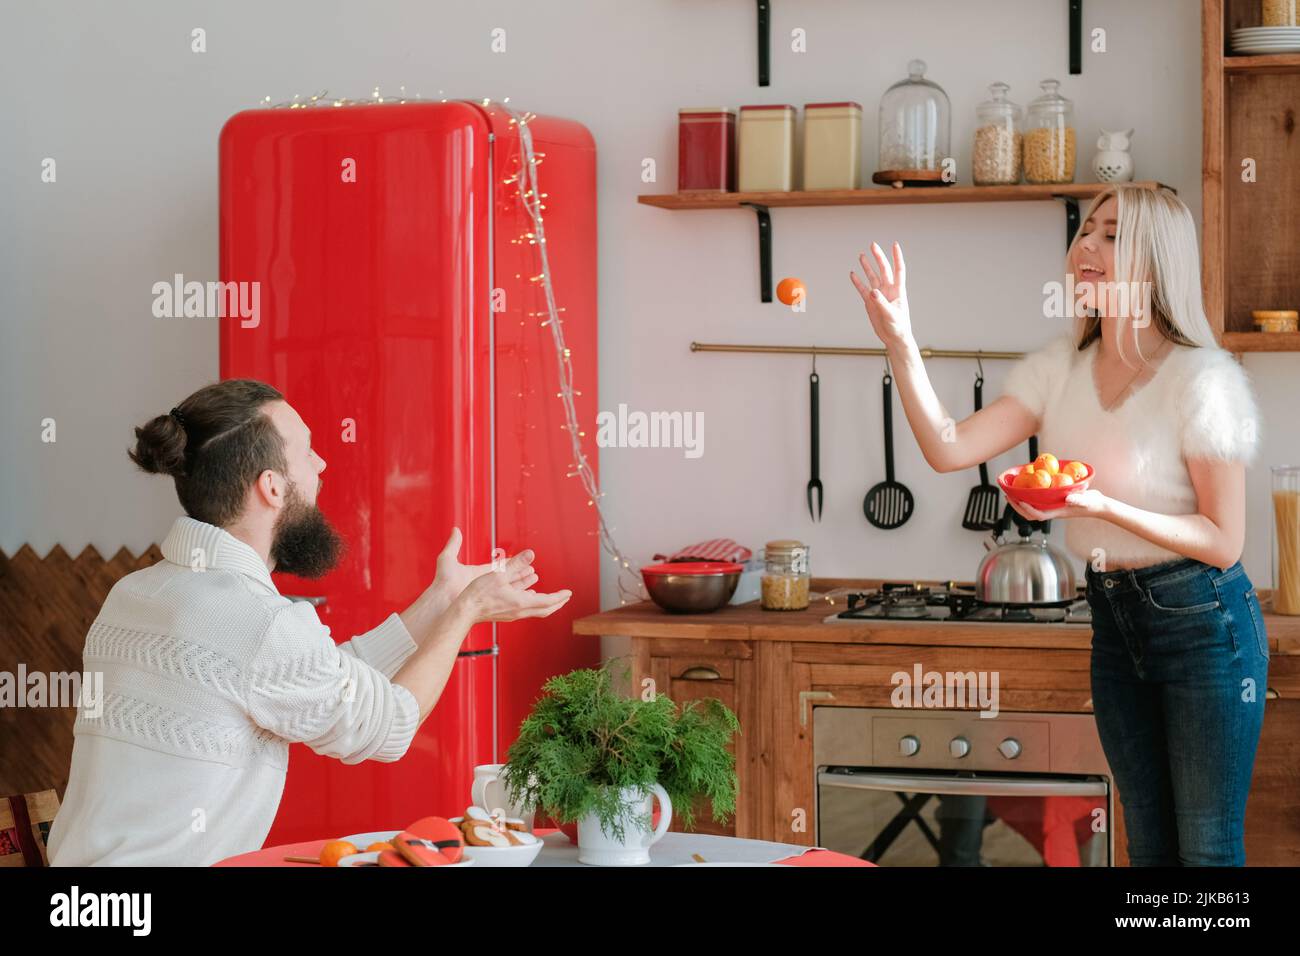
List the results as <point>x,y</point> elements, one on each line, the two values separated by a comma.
<point>599,848</point>
<point>490,793</point>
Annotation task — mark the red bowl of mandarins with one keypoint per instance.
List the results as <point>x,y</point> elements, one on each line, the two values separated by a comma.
<point>1045,482</point>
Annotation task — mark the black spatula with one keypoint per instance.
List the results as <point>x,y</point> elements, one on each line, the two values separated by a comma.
<point>889,503</point>
<point>982,505</point>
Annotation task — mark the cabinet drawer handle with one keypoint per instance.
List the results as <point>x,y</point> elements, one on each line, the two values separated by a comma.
<point>700,672</point>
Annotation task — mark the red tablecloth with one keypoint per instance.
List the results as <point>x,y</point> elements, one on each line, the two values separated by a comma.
<point>274,856</point>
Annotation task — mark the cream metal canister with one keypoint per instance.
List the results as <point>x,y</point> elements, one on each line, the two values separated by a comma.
<point>832,136</point>
<point>765,155</point>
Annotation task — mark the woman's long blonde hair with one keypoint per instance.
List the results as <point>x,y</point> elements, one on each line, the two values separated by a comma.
<point>1155,241</point>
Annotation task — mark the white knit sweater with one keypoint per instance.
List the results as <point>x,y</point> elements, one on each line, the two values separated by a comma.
<point>1199,404</point>
<point>208,675</point>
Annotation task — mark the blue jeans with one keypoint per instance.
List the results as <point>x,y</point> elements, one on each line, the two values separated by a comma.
<point>1179,665</point>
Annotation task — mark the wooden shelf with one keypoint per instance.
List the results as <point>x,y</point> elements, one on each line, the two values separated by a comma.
<point>762,202</point>
<point>1266,63</point>
<point>881,196</point>
<point>1074,14</point>
<point>1261,341</point>
<point>1249,255</point>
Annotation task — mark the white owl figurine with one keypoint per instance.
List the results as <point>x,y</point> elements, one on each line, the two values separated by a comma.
<point>1114,164</point>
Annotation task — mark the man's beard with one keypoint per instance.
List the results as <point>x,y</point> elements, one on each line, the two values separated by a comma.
<point>304,542</point>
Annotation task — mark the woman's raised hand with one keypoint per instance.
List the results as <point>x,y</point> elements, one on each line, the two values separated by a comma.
<point>884,292</point>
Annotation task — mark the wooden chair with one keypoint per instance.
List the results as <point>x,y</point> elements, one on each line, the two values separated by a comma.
<point>25,827</point>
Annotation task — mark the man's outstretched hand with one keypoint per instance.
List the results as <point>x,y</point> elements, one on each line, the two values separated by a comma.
<point>506,594</point>
<point>494,591</point>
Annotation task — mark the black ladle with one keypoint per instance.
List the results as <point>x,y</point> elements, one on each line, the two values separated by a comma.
<point>888,504</point>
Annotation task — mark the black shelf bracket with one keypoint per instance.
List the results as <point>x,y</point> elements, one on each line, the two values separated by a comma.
<point>764,42</point>
<point>1076,36</point>
<point>764,250</point>
<point>1071,218</point>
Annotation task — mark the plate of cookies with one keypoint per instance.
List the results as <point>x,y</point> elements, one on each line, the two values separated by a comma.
<point>493,839</point>
<point>428,842</point>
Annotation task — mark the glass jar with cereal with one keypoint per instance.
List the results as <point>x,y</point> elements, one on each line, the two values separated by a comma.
<point>1049,137</point>
<point>785,576</point>
<point>995,160</point>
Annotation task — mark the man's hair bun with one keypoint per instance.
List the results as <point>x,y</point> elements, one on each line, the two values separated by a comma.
<point>160,447</point>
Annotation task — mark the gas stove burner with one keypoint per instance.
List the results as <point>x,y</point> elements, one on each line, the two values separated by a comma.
<point>952,602</point>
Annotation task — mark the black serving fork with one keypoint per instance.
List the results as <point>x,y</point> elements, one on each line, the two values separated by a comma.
<point>815,482</point>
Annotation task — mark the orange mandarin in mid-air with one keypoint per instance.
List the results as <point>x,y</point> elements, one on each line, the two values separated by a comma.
<point>791,290</point>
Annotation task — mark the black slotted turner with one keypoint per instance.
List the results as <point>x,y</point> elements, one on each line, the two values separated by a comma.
<point>888,504</point>
<point>982,506</point>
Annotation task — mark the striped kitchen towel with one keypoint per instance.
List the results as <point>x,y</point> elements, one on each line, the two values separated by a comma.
<point>715,549</point>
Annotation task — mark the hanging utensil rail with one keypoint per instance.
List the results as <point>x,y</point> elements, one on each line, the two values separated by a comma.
<point>926,353</point>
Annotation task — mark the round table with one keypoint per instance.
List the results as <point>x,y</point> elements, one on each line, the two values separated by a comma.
<point>275,855</point>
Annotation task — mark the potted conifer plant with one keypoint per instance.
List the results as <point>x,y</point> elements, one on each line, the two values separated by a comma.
<point>589,755</point>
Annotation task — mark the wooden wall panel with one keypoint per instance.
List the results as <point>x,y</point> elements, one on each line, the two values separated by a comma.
<point>46,606</point>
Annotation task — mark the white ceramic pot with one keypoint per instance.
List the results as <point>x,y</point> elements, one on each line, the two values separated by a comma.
<point>599,848</point>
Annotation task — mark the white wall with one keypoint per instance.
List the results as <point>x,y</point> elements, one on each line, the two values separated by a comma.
<point>131,116</point>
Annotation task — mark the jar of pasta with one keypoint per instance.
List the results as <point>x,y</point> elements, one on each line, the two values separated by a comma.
<point>1049,137</point>
<point>995,161</point>
<point>785,576</point>
<point>1278,13</point>
<point>1286,539</point>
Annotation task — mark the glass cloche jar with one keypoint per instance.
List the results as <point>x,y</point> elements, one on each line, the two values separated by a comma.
<point>915,126</point>
<point>1049,137</point>
<point>995,160</point>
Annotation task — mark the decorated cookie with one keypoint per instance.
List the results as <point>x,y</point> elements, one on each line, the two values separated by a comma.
<point>431,841</point>
<point>479,835</point>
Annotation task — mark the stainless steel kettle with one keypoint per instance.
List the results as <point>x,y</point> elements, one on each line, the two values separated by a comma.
<point>1025,570</point>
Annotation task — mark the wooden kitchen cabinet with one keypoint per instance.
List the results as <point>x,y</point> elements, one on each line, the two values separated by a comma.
<point>695,670</point>
<point>773,669</point>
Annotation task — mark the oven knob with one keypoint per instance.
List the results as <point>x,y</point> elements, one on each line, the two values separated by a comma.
<point>908,746</point>
<point>1010,748</point>
<point>959,746</point>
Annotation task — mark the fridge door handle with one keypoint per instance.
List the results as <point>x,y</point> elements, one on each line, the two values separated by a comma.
<point>315,600</point>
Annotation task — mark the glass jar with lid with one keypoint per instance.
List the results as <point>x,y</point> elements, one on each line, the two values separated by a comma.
<point>995,160</point>
<point>1286,539</point>
<point>915,126</point>
<point>1049,137</point>
<point>785,576</point>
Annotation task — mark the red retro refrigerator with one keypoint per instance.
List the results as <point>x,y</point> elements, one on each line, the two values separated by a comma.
<point>397,312</point>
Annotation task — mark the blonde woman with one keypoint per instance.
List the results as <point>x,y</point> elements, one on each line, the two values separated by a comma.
<point>1140,390</point>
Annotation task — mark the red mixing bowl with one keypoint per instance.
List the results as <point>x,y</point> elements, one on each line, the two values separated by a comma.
<point>1044,499</point>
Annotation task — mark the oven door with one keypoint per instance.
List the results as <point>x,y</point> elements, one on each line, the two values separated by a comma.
<point>944,818</point>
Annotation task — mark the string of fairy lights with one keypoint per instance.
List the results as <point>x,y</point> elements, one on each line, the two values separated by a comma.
<point>630,587</point>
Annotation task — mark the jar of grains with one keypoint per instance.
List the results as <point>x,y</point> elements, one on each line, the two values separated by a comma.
<point>1049,137</point>
<point>785,576</point>
<point>996,157</point>
<point>1278,13</point>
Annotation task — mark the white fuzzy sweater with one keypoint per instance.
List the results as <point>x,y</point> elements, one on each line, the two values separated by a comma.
<point>208,675</point>
<point>1199,404</point>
